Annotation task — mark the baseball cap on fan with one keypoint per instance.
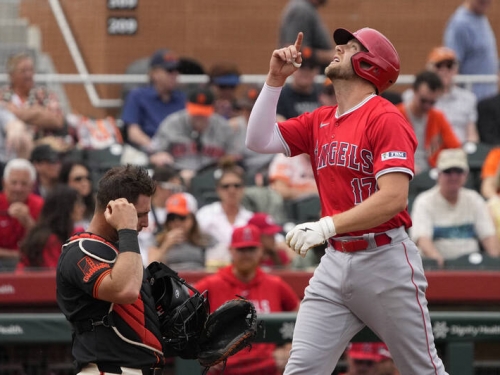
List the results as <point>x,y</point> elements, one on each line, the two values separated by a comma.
<point>364,351</point>
<point>166,59</point>
<point>200,102</point>
<point>181,204</point>
<point>452,158</point>
<point>440,54</point>
<point>245,236</point>
<point>265,223</point>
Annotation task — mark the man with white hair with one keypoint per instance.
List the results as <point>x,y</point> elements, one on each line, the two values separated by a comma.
<point>19,209</point>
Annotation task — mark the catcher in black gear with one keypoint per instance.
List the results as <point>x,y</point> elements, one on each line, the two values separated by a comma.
<point>188,330</point>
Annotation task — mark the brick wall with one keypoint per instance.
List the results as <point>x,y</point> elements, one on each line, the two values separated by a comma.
<point>214,30</point>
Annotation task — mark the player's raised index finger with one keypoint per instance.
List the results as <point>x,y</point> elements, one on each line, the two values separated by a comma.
<point>298,41</point>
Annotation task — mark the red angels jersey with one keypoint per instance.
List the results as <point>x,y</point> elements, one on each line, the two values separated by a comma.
<point>350,152</point>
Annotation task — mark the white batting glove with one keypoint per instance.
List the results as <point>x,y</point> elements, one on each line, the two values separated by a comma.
<point>304,236</point>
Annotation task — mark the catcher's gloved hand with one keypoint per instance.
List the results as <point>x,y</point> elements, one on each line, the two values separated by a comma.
<point>304,236</point>
<point>229,329</point>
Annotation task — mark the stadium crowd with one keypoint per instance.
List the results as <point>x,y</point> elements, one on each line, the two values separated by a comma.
<point>209,185</point>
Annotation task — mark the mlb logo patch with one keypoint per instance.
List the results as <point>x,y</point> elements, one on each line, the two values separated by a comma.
<point>393,155</point>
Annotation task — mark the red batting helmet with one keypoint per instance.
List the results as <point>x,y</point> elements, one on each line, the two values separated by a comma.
<point>382,58</point>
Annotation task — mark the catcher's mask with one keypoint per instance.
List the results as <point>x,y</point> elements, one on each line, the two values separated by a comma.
<point>182,317</point>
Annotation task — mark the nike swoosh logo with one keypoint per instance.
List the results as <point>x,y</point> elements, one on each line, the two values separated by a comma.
<point>306,229</point>
<point>324,124</point>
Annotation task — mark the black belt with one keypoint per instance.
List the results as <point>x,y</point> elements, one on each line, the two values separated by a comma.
<point>114,369</point>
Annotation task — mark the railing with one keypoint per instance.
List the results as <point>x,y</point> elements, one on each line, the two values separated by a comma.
<point>458,331</point>
<point>90,79</point>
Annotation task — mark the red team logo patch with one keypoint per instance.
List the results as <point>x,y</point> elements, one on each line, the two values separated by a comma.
<point>89,267</point>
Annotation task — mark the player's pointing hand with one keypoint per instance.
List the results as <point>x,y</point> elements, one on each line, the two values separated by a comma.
<point>284,62</point>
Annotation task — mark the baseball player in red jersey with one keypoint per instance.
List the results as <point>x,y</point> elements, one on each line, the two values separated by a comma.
<point>362,154</point>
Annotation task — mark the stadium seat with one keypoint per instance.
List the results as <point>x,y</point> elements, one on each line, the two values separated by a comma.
<point>475,261</point>
<point>101,160</point>
<point>304,210</point>
<point>203,186</point>
<point>476,154</point>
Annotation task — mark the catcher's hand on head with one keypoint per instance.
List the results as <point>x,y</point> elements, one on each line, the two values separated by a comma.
<point>305,236</point>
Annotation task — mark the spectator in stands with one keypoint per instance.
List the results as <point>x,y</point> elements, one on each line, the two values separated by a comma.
<point>292,177</point>
<point>469,33</point>
<point>16,141</point>
<point>433,131</point>
<point>302,94</point>
<point>488,122</point>
<point>146,107</point>
<point>47,163</point>
<point>276,254</point>
<point>362,358</point>
<point>489,172</point>
<point>41,247</point>
<point>224,80</point>
<point>253,162</point>
<point>19,209</point>
<point>168,182</point>
<point>33,104</point>
<point>194,138</point>
<point>77,175</point>
<point>385,364</point>
<point>270,294</point>
<point>218,219</point>
<point>180,244</point>
<point>449,220</point>
<point>459,105</point>
<point>303,15</point>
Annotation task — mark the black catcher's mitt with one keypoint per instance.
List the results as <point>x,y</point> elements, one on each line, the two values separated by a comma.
<point>182,317</point>
<point>229,329</point>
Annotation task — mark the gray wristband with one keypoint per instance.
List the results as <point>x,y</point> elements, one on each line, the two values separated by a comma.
<point>127,241</point>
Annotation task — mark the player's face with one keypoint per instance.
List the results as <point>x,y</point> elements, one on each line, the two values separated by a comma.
<point>341,68</point>
<point>143,206</point>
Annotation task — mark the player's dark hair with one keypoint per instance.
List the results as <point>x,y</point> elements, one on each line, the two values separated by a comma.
<point>55,218</point>
<point>430,78</point>
<point>124,181</point>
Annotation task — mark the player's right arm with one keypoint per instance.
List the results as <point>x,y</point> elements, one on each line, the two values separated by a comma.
<point>123,282</point>
<point>261,136</point>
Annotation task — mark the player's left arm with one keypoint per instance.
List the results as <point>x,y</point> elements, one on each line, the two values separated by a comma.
<point>390,199</point>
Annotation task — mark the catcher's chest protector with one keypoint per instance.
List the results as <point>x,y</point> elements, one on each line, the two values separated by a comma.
<point>124,319</point>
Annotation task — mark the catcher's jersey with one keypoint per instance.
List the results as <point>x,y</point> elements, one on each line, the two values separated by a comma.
<point>85,260</point>
<point>349,152</point>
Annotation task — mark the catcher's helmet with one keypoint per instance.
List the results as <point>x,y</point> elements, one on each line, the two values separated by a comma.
<point>382,58</point>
